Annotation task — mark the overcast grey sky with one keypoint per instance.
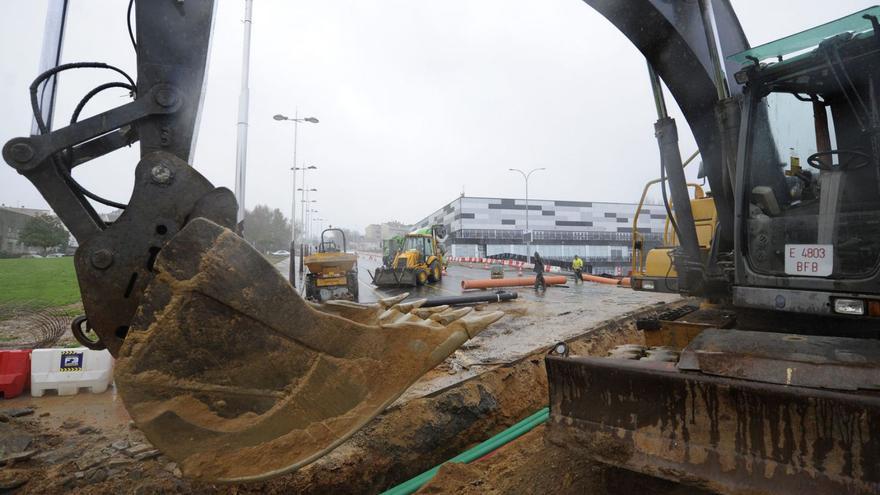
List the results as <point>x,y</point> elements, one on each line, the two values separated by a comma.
<point>418,101</point>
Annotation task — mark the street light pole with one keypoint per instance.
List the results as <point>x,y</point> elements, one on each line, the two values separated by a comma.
<point>305,205</point>
<point>296,120</point>
<point>312,223</point>
<point>243,100</point>
<point>528,232</point>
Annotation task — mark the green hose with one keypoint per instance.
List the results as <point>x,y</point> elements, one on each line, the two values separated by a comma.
<point>475,453</point>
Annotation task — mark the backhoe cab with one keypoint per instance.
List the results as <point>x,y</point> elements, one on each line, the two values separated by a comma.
<point>418,262</point>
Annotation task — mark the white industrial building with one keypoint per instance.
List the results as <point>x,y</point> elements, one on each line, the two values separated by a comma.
<point>601,233</point>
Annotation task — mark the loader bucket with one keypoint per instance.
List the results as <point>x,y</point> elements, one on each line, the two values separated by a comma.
<point>390,277</point>
<point>229,372</point>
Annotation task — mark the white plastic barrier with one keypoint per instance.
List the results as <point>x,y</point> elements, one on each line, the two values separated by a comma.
<point>69,370</point>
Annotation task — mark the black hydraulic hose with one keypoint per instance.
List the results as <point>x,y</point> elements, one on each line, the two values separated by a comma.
<point>35,106</point>
<point>65,169</point>
<point>128,22</point>
<point>499,296</point>
<point>91,94</point>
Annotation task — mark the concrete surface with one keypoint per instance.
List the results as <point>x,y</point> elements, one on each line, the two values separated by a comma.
<point>535,320</point>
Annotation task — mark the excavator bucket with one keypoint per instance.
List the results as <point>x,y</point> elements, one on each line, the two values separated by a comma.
<point>233,375</point>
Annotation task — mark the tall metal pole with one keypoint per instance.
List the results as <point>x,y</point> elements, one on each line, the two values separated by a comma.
<point>53,40</point>
<point>304,206</point>
<point>296,120</point>
<point>291,272</point>
<point>529,234</point>
<point>243,100</point>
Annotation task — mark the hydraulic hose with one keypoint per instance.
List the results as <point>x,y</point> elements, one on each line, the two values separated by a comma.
<point>498,296</point>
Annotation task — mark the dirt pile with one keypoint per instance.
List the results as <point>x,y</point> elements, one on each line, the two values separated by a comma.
<point>74,456</point>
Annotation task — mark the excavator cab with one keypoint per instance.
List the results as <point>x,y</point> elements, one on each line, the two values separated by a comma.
<point>810,230</point>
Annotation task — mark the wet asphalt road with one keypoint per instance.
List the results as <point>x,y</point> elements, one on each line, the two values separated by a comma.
<point>449,286</point>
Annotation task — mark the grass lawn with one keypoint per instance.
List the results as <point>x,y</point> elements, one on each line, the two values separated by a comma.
<point>42,282</point>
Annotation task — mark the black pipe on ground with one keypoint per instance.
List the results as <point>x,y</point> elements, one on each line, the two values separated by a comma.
<point>498,296</point>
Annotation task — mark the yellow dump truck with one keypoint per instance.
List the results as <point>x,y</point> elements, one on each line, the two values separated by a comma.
<point>332,272</point>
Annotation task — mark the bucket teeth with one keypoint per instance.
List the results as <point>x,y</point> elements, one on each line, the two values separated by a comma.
<point>427,312</point>
<point>387,302</point>
<point>406,307</point>
<point>235,377</point>
<point>450,315</point>
<point>361,313</point>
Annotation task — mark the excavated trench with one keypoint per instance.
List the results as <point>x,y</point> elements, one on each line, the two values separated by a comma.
<point>413,436</point>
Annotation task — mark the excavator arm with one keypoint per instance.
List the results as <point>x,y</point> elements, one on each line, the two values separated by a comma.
<point>220,362</point>
<point>114,262</point>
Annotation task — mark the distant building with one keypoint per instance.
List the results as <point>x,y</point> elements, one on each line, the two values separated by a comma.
<point>601,233</point>
<point>373,232</point>
<point>387,230</point>
<point>392,229</point>
<point>12,220</point>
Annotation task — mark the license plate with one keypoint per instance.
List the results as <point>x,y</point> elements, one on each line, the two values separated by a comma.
<point>323,282</point>
<point>810,260</point>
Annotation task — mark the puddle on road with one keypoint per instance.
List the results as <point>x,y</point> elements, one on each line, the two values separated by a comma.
<point>104,410</point>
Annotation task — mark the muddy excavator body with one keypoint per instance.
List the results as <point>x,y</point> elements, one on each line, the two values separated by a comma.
<point>772,383</point>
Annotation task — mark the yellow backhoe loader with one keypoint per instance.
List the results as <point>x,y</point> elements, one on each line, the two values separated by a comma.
<point>418,262</point>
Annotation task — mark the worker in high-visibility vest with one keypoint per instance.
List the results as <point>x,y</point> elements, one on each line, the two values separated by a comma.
<point>577,265</point>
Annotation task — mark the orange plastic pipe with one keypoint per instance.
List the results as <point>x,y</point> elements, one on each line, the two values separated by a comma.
<point>510,282</point>
<point>604,280</point>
